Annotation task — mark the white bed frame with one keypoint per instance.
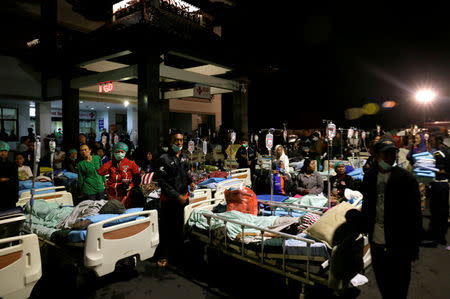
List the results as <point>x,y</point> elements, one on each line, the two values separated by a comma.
<point>60,195</point>
<point>224,185</point>
<point>105,246</point>
<point>243,174</point>
<point>259,258</point>
<point>20,263</point>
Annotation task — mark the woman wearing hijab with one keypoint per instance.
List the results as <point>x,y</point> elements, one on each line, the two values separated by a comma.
<point>280,156</point>
<point>340,181</point>
<point>309,181</point>
<point>419,146</point>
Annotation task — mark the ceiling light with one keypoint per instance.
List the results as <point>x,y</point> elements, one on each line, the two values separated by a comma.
<point>107,107</point>
<point>81,102</point>
<point>92,108</point>
<point>126,103</point>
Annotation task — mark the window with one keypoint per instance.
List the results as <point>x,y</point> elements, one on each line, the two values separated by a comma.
<point>9,120</point>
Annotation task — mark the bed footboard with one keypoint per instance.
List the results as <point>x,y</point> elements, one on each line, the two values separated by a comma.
<point>20,266</point>
<point>107,245</point>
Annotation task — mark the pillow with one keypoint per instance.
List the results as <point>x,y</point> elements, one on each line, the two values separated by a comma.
<point>325,228</point>
<point>71,175</point>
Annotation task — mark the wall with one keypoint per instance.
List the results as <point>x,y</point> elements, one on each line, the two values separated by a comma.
<point>23,113</point>
<point>18,80</point>
<point>214,107</point>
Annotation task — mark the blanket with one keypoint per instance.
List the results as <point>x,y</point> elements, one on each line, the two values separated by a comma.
<point>234,231</point>
<point>46,216</point>
<point>83,209</point>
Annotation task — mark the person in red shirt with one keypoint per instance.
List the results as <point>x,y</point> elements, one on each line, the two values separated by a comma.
<point>123,175</point>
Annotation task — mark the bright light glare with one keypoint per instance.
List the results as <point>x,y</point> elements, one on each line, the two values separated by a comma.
<point>425,96</point>
<point>126,103</point>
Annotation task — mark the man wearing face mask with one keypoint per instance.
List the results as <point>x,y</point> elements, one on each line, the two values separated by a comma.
<point>391,216</point>
<point>246,156</point>
<point>174,179</point>
<point>123,175</point>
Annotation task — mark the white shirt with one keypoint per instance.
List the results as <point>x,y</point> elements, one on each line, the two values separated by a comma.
<point>57,156</point>
<point>378,231</point>
<point>24,173</point>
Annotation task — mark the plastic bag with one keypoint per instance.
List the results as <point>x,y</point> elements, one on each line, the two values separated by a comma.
<point>242,200</point>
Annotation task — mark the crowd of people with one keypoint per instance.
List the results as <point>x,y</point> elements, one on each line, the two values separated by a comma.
<point>108,169</point>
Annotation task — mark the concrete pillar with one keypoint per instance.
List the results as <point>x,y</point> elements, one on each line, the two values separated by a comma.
<point>43,122</point>
<point>240,111</point>
<point>132,123</point>
<point>71,114</point>
<point>151,124</point>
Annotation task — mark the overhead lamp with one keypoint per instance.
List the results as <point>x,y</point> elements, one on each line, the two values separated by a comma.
<point>107,107</point>
<point>126,103</point>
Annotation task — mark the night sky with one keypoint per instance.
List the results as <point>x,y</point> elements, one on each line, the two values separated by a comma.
<point>304,69</point>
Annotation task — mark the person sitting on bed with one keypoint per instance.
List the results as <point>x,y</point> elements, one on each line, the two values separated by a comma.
<point>340,182</point>
<point>123,175</point>
<point>91,184</point>
<point>9,183</point>
<point>309,181</point>
<point>24,171</point>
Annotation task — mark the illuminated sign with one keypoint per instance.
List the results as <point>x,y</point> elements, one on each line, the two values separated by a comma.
<point>105,87</point>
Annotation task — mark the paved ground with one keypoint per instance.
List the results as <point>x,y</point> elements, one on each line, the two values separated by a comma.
<point>227,278</point>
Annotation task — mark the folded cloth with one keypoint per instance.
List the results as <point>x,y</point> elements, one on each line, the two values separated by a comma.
<point>218,174</point>
<point>70,175</point>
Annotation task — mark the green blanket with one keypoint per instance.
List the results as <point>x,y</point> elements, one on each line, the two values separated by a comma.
<point>47,214</point>
<point>197,219</point>
<point>307,200</point>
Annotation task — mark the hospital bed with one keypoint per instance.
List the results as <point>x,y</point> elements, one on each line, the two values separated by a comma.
<point>108,241</point>
<point>243,174</point>
<point>298,257</point>
<point>20,260</point>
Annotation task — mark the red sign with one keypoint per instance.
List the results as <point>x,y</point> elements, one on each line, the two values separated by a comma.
<point>105,87</point>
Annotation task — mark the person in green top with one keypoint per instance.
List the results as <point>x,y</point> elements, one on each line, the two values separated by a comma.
<point>92,185</point>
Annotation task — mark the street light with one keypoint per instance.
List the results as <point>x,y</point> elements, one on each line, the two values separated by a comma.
<point>425,96</point>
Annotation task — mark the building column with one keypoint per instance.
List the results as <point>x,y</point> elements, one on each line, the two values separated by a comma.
<point>71,114</point>
<point>43,122</point>
<point>132,123</point>
<point>151,125</point>
<point>239,120</point>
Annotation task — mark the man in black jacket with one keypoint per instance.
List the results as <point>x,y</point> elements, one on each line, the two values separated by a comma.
<point>173,178</point>
<point>391,215</point>
<point>439,191</point>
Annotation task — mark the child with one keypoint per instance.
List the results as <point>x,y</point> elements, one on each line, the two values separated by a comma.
<point>24,171</point>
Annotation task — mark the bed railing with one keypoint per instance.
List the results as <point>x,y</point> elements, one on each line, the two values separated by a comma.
<point>20,266</point>
<point>281,235</point>
<point>104,245</point>
<point>292,207</point>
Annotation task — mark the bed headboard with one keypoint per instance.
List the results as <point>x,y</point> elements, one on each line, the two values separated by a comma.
<point>63,197</point>
<point>243,174</point>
